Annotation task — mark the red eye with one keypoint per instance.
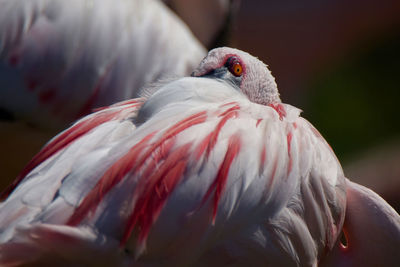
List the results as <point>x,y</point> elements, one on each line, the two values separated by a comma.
<point>234,66</point>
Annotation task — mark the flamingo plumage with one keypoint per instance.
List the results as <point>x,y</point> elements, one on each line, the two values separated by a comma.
<point>211,169</point>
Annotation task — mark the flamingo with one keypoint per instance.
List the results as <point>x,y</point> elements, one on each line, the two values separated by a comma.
<point>61,59</point>
<point>211,169</point>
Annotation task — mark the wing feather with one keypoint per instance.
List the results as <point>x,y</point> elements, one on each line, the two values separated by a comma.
<point>68,136</point>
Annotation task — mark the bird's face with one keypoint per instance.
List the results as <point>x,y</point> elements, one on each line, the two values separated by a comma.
<point>243,71</point>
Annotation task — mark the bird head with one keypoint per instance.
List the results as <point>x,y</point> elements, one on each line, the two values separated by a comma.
<point>245,72</point>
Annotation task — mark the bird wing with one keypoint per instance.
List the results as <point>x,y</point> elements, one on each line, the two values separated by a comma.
<point>59,59</point>
<point>200,173</point>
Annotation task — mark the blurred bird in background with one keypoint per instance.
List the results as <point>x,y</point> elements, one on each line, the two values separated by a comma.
<point>60,60</point>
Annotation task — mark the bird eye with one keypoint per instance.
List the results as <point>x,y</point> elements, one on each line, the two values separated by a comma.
<point>234,66</point>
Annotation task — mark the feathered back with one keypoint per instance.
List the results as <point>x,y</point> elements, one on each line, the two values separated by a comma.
<point>196,174</point>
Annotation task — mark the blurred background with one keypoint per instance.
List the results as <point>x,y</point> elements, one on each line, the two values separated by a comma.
<point>337,60</point>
